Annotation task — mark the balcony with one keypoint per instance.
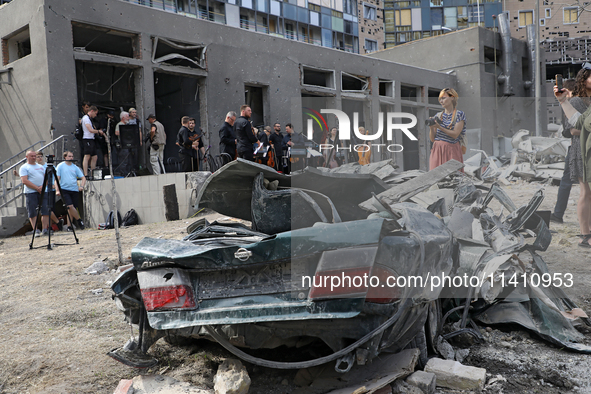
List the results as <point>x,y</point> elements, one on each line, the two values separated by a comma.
<point>215,12</point>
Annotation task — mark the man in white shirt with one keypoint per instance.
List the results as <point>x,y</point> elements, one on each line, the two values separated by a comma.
<point>32,175</point>
<point>88,142</point>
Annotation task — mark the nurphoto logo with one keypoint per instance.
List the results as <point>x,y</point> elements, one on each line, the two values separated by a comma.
<point>344,129</point>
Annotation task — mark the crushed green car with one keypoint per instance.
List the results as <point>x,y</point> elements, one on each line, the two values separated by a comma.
<point>333,282</point>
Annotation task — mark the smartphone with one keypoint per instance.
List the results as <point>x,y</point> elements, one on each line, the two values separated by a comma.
<point>559,82</point>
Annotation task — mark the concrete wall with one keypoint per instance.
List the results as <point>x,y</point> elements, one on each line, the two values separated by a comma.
<point>235,57</point>
<point>462,53</point>
<point>144,194</point>
<point>25,104</point>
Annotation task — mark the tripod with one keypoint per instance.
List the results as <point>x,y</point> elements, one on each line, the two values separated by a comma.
<point>48,179</point>
<point>129,167</point>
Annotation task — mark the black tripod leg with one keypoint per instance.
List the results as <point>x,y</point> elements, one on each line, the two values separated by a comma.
<point>39,206</point>
<point>50,174</point>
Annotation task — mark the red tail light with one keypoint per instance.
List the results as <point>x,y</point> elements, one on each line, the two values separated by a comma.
<point>169,297</point>
<point>386,290</point>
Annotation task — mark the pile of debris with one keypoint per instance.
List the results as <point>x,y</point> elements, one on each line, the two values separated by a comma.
<point>474,251</point>
<point>499,248</point>
<point>530,158</point>
<point>520,157</point>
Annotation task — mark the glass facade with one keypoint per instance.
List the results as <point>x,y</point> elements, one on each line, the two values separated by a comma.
<point>313,24</point>
<point>408,20</point>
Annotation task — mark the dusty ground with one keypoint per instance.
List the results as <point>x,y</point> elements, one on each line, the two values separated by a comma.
<point>55,331</point>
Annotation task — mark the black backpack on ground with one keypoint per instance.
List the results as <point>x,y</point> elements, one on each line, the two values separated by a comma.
<point>131,218</point>
<point>110,222</point>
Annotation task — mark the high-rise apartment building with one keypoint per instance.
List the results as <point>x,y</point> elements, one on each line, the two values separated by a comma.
<point>329,23</point>
<point>564,32</point>
<point>371,25</point>
<point>410,20</point>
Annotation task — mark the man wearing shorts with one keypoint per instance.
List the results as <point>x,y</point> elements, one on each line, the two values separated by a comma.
<point>68,175</point>
<point>32,175</point>
<point>88,141</point>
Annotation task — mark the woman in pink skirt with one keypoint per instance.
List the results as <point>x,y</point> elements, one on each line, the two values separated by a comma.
<point>446,133</point>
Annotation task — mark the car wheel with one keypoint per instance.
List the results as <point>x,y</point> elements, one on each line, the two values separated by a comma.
<point>432,325</point>
<point>420,342</point>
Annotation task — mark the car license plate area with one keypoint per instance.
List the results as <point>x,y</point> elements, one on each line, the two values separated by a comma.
<point>244,281</point>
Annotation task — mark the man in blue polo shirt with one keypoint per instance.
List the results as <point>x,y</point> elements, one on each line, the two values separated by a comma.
<point>68,174</point>
<point>32,175</point>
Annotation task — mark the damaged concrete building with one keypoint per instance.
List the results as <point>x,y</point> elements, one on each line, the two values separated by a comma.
<point>117,55</point>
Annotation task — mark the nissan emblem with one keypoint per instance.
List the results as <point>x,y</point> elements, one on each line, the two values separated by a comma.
<point>242,254</point>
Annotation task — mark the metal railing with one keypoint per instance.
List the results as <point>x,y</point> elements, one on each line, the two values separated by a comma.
<point>246,24</point>
<point>11,186</point>
<point>18,157</point>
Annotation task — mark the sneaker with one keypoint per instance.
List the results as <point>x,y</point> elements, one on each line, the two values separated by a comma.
<point>70,229</point>
<point>46,232</point>
<point>37,233</point>
<point>556,219</point>
<point>60,225</point>
<point>80,224</point>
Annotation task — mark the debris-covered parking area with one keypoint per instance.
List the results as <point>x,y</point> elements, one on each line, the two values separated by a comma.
<point>421,226</point>
<point>66,341</point>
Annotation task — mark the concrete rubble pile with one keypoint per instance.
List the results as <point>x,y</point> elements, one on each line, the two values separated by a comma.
<point>496,246</point>
<point>525,157</point>
<point>499,248</point>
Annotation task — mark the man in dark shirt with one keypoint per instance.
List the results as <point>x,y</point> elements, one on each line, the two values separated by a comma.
<point>187,154</point>
<point>184,123</point>
<point>292,140</point>
<point>276,140</point>
<point>263,137</point>
<point>227,136</point>
<point>198,145</point>
<point>285,145</point>
<point>245,134</point>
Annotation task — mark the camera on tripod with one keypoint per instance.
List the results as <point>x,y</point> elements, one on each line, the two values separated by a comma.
<point>431,121</point>
<point>50,159</point>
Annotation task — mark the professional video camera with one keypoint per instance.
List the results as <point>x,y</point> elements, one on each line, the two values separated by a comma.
<point>50,159</point>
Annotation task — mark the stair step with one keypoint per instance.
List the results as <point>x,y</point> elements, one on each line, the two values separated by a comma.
<point>12,211</point>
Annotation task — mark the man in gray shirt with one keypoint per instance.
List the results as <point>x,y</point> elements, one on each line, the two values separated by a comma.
<point>158,141</point>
